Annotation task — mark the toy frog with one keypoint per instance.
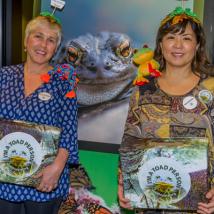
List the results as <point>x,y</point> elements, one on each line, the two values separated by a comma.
<point>147,66</point>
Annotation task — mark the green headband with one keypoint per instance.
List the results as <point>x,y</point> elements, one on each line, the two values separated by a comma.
<point>48,14</point>
<point>179,14</point>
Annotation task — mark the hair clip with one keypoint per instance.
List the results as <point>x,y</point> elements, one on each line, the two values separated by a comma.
<point>180,14</point>
<point>48,14</point>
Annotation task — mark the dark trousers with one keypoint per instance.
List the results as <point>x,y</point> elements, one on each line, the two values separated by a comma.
<point>30,207</point>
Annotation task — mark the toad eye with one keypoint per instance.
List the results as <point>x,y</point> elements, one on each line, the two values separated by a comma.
<point>124,49</point>
<point>74,55</point>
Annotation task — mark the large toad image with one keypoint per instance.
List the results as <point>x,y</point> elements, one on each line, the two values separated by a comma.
<point>104,67</point>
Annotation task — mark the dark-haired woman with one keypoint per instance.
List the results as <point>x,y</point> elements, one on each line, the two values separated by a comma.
<point>179,103</point>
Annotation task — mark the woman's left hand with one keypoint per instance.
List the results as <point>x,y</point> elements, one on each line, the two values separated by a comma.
<point>49,178</point>
<point>50,174</point>
<point>207,208</point>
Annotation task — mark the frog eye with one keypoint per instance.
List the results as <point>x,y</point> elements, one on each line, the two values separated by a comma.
<point>135,50</point>
<point>74,55</point>
<point>124,49</point>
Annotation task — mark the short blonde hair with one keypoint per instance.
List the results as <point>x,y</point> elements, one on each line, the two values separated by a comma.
<point>40,20</point>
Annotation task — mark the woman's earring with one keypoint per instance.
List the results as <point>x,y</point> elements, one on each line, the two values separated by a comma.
<point>25,49</point>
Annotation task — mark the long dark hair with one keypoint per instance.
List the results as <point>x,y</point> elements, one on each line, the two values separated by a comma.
<point>200,63</point>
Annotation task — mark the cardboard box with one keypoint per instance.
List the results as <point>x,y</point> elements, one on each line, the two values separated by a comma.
<point>25,148</point>
<point>169,174</point>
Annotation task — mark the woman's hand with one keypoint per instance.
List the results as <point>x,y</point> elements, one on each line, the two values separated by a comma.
<point>124,202</point>
<point>207,208</point>
<point>50,175</point>
<point>49,178</point>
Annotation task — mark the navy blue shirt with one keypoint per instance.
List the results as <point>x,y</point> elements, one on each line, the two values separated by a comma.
<point>58,111</point>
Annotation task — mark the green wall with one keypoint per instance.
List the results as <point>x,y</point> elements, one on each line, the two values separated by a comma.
<point>102,169</point>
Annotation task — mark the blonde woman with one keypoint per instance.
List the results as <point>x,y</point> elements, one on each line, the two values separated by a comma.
<point>22,97</point>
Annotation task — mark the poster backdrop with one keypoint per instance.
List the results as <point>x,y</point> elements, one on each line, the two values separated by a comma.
<point>106,76</point>
<point>99,35</point>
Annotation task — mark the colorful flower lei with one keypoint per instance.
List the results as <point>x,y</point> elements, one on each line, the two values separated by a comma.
<point>180,14</point>
<point>64,72</point>
<point>48,14</point>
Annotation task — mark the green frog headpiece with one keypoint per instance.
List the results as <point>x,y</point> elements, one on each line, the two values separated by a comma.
<point>50,15</point>
<point>179,15</point>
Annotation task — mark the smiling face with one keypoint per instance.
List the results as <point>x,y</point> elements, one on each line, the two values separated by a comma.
<point>41,44</point>
<point>178,48</point>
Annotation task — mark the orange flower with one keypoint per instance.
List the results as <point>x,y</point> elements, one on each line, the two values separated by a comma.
<point>71,94</point>
<point>179,18</point>
<point>45,78</point>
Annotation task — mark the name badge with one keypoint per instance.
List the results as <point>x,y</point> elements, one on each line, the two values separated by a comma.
<point>205,96</point>
<point>190,102</point>
<point>212,113</point>
<point>44,96</point>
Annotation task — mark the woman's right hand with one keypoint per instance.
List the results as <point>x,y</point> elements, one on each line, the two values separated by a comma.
<point>124,202</point>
